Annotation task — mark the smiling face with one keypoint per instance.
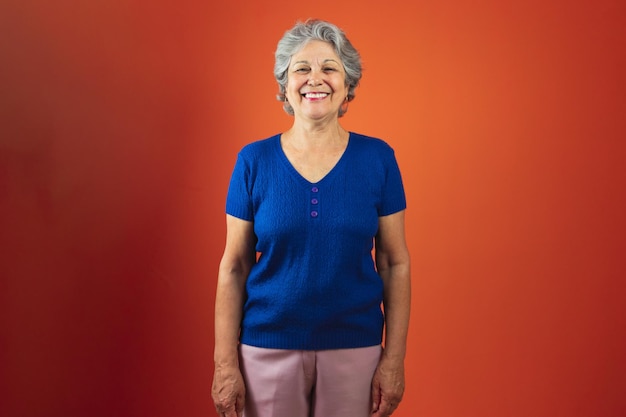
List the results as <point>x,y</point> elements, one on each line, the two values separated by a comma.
<point>316,82</point>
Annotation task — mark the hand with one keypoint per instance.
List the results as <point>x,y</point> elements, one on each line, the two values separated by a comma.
<point>228,391</point>
<point>387,387</point>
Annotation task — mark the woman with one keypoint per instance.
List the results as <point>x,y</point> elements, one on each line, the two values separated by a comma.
<point>298,329</point>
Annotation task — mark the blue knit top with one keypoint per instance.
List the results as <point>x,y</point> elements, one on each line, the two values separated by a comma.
<point>314,285</point>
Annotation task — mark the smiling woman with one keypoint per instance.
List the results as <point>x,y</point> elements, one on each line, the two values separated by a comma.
<point>118,122</point>
<point>294,334</point>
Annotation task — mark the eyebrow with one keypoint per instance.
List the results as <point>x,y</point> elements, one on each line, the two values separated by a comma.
<point>323,62</point>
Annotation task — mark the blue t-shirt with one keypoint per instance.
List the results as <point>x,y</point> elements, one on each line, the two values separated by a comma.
<point>314,285</point>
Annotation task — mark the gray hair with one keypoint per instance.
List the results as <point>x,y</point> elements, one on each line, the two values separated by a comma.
<point>298,36</point>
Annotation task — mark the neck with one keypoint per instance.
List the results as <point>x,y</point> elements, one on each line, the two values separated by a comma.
<point>311,135</point>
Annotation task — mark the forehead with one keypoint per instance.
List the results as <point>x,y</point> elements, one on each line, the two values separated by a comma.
<point>315,50</point>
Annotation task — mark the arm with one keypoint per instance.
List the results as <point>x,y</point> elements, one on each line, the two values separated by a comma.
<point>228,388</point>
<point>393,265</point>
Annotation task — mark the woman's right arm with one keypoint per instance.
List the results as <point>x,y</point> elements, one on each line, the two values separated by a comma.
<point>239,255</point>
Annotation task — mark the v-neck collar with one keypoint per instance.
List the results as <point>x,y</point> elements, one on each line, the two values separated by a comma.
<point>299,177</point>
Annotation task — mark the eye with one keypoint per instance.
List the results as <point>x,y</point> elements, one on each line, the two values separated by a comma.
<point>302,70</point>
<point>329,69</point>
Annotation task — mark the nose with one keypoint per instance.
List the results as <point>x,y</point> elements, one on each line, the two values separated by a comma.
<point>315,78</point>
<point>314,81</point>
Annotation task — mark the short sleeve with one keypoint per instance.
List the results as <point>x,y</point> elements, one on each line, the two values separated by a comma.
<point>238,199</point>
<point>394,198</point>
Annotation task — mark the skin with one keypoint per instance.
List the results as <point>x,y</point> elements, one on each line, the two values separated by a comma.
<point>313,144</point>
<point>228,388</point>
<point>393,265</point>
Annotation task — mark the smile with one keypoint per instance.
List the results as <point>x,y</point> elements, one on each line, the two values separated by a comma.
<point>315,95</point>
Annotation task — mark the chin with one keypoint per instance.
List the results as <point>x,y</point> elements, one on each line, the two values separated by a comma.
<point>321,114</point>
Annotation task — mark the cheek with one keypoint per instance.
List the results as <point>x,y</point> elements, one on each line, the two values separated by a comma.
<point>288,87</point>
<point>341,88</point>
<point>291,85</point>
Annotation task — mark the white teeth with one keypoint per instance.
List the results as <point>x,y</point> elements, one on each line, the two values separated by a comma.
<point>315,95</point>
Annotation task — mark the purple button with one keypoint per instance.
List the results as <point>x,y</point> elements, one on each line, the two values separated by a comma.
<point>314,213</point>
<point>315,189</point>
<point>314,201</point>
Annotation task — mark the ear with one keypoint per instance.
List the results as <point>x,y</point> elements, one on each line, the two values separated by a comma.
<point>344,107</point>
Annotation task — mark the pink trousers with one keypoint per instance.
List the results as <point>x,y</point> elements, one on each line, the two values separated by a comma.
<point>297,383</point>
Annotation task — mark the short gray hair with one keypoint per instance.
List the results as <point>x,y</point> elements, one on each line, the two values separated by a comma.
<point>298,36</point>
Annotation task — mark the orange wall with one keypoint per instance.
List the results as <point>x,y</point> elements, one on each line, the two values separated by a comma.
<point>120,122</point>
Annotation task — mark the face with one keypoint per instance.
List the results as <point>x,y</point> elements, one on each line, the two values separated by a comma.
<point>316,82</point>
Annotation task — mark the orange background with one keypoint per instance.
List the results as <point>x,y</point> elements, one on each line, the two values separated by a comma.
<point>120,123</point>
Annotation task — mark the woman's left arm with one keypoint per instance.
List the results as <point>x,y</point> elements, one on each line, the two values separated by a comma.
<point>393,265</point>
